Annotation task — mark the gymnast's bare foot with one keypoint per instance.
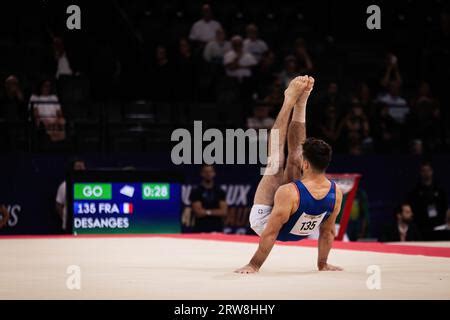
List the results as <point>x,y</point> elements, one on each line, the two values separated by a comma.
<point>303,98</point>
<point>295,89</point>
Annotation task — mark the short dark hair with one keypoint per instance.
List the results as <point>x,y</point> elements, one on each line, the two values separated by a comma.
<point>205,165</point>
<point>70,164</point>
<point>318,153</point>
<point>74,161</point>
<point>399,208</point>
<point>426,163</point>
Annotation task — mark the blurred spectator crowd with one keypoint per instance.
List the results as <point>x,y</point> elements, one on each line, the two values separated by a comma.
<point>165,64</point>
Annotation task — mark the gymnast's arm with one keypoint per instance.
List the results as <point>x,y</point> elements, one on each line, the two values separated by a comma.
<point>327,234</point>
<point>283,204</point>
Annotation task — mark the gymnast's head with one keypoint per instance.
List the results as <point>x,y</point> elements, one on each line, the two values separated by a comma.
<point>316,156</point>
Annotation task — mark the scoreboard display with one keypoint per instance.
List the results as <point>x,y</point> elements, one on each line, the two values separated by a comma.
<point>124,202</point>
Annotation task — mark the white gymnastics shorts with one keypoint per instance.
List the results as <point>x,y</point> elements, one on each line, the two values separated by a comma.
<point>259,215</point>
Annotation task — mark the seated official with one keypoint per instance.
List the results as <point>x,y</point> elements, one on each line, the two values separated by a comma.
<point>208,203</point>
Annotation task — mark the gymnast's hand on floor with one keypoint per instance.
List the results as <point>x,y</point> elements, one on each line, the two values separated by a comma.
<point>246,269</point>
<point>328,267</point>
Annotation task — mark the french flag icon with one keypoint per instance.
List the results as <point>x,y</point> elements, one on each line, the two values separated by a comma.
<point>127,208</point>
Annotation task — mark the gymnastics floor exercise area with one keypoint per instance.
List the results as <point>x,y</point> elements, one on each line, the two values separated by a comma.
<point>200,266</point>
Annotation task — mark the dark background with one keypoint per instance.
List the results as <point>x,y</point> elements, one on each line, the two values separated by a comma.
<point>113,56</point>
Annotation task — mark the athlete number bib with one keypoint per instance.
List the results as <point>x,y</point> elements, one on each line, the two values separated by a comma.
<point>307,224</point>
